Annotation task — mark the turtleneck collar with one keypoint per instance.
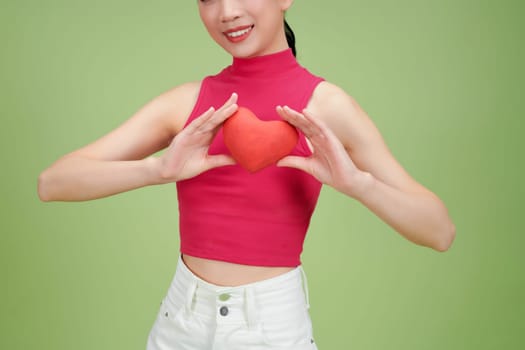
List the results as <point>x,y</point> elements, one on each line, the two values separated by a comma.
<point>264,66</point>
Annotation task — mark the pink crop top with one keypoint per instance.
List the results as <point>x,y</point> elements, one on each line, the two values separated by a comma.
<point>247,218</point>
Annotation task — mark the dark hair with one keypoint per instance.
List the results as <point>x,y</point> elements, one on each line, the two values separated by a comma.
<point>290,37</point>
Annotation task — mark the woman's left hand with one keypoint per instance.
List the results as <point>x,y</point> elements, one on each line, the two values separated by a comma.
<point>329,162</point>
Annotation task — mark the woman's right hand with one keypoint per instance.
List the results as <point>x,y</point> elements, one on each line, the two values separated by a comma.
<point>187,155</point>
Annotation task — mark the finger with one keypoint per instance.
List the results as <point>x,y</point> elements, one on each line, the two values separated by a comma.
<point>213,124</point>
<point>290,117</point>
<point>230,101</point>
<point>227,106</point>
<point>219,160</point>
<point>314,128</point>
<point>202,119</point>
<point>325,133</point>
<point>318,123</point>
<point>223,113</point>
<point>298,120</point>
<point>296,162</point>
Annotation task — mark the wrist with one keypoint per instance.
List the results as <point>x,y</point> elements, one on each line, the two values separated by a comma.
<point>154,169</point>
<point>359,185</point>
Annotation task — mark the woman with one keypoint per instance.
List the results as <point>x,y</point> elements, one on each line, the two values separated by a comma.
<point>239,283</point>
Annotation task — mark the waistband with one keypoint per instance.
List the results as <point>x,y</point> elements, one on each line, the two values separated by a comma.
<point>251,303</point>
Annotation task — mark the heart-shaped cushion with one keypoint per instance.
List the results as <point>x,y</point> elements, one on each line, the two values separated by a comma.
<point>254,143</point>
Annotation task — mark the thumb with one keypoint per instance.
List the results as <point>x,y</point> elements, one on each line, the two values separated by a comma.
<point>300,163</point>
<point>219,160</point>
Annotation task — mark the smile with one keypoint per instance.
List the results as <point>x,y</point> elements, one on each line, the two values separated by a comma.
<point>238,34</point>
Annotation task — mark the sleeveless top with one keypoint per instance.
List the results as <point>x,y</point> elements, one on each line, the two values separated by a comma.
<point>260,218</point>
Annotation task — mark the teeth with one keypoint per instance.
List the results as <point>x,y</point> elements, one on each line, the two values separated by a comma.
<point>239,32</point>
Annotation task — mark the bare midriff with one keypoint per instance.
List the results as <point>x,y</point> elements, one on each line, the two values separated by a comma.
<point>223,273</point>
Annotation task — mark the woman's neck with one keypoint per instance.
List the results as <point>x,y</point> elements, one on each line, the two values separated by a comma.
<point>265,65</point>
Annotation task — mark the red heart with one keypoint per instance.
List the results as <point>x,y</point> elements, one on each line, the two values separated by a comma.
<point>254,143</point>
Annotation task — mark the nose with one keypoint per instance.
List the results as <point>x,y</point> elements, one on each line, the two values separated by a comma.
<point>230,10</point>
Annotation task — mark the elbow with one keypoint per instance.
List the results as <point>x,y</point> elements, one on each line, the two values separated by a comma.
<point>445,239</point>
<point>43,187</point>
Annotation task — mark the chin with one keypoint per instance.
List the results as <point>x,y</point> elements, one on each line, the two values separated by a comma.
<point>240,50</point>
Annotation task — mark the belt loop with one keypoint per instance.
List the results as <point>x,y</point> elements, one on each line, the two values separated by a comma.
<point>305,287</point>
<point>190,294</point>
<point>249,308</point>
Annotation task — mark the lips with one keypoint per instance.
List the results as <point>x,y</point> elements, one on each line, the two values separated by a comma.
<point>238,34</point>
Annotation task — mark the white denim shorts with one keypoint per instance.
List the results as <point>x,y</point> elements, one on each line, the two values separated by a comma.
<point>268,315</point>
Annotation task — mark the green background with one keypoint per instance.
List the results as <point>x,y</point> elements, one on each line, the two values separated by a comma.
<point>443,81</point>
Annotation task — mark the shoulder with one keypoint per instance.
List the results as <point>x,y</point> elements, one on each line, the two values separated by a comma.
<point>340,111</point>
<point>176,104</point>
<point>184,90</point>
<point>361,138</point>
<point>160,117</point>
<point>329,92</point>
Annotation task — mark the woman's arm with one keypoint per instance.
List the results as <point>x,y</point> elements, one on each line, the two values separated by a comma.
<point>120,160</point>
<point>350,155</point>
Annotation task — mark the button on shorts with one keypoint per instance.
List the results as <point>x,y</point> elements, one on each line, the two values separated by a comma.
<point>268,315</point>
